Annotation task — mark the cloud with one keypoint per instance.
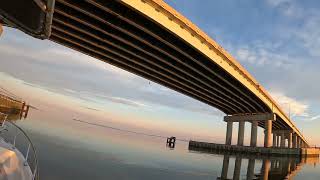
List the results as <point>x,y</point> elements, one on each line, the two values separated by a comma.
<point>291,105</point>
<point>317,117</point>
<point>287,7</point>
<point>277,2</point>
<point>306,33</point>
<point>261,55</point>
<point>125,101</point>
<point>309,35</point>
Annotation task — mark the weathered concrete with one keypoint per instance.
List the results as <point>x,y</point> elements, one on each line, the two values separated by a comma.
<point>229,133</point>
<point>254,130</point>
<point>241,133</point>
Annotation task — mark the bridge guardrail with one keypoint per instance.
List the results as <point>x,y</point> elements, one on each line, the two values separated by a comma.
<point>16,136</point>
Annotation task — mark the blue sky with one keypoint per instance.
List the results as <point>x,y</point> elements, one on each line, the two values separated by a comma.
<point>277,41</point>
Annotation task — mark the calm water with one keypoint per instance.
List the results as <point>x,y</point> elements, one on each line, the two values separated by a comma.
<point>71,149</point>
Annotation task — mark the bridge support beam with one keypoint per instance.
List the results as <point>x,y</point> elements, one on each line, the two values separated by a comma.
<point>229,133</point>
<point>254,130</point>
<point>241,133</point>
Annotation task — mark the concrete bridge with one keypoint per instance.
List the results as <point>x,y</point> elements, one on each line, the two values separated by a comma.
<point>151,39</point>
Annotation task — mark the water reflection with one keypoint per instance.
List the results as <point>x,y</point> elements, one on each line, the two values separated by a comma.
<point>270,167</point>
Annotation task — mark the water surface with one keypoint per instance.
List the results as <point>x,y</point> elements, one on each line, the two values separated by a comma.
<point>71,149</point>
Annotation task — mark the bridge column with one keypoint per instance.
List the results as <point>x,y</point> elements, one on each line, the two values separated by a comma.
<point>278,140</point>
<point>267,133</point>
<point>229,133</point>
<point>294,140</point>
<point>254,129</point>
<point>290,140</point>
<point>298,142</point>
<point>283,139</point>
<point>274,140</point>
<point>254,119</point>
<point>241,133</point>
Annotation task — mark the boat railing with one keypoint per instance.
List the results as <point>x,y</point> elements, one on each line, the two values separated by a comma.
<point>18,138</point>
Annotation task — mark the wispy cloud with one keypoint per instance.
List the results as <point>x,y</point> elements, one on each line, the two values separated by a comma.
<point>296,108</point>
<point>263,54</point>
<point>287,7</point>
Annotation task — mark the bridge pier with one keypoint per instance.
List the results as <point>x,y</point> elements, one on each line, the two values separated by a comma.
<point>274,140</point>
<point>283,140</point>
<point>254,130</point>
<point>241,133</point>
<point>299,142</point>
<point>286,135</point>
<point>267,133</point>
<point>294,140</point>
<point>290,140</point>
<point>229,133</point>
<point>254,119</point>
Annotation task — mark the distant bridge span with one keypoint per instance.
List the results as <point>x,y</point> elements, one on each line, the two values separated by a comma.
<point>150,39</point>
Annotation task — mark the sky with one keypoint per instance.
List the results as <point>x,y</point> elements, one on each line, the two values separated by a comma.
<point>277,41</point>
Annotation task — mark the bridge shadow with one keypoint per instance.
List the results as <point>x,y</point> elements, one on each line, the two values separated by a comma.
<point>258,167</point>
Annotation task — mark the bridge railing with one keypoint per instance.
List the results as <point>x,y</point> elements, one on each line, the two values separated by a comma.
<point>7,101</point>
<point>16,136</point>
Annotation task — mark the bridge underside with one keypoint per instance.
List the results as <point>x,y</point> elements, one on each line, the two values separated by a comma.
<point>147,38</point>
<point>117,34</point>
